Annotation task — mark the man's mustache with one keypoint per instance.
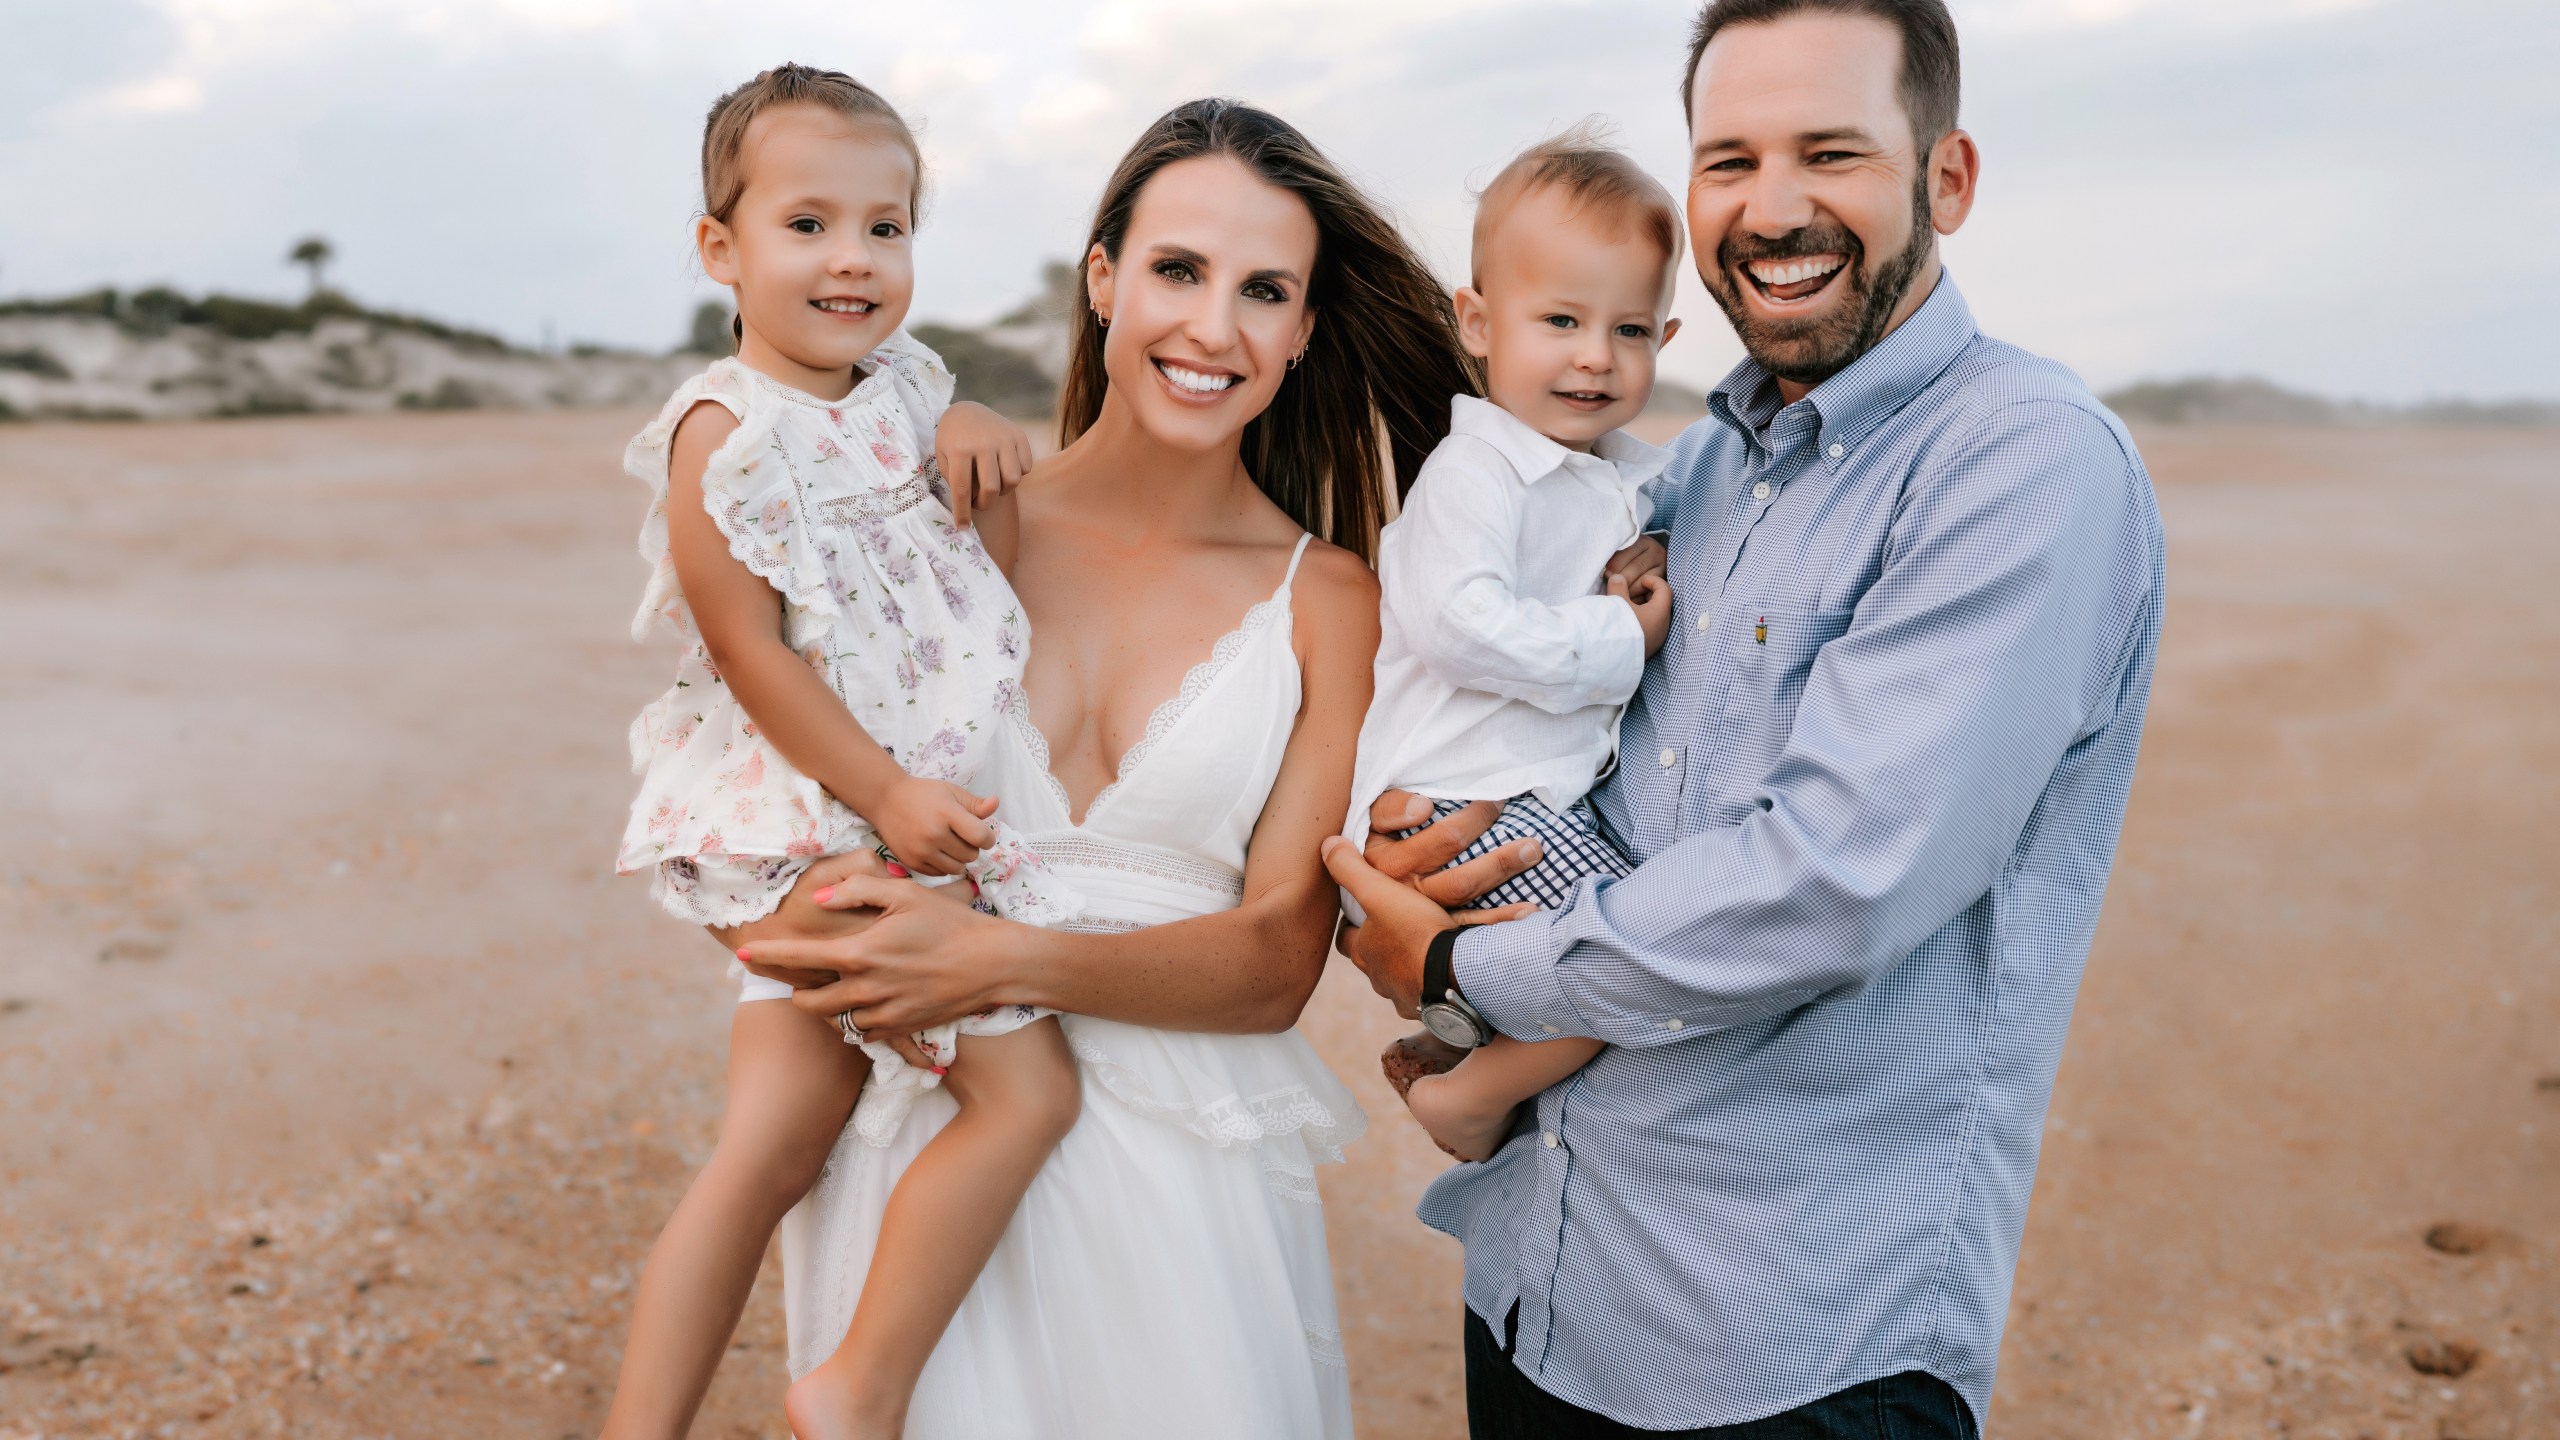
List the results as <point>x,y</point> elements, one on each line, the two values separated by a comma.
<point>1794,245</point>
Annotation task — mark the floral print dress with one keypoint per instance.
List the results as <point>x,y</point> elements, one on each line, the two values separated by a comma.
<point>835,504</point>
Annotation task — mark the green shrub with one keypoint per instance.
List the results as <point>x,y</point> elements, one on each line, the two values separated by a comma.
<point>454,394</point>
<point>156,310</point>
<point>266,402</point>
<point>711,334</point>
<point>34,362</point>
<point>998,378</point>
<point>248,319</point>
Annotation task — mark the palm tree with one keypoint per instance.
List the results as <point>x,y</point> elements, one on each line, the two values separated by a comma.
<point>314,254</point>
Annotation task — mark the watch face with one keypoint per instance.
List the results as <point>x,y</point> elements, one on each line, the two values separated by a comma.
<point>1451,1026</point>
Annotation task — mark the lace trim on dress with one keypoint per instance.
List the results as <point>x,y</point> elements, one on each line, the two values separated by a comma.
<point>852,510</point>
<point>1100,927</point>
<point>1195,683</point>
<point>1324,1346</point>
<point>1290,1111</point>
<point>1289,1184</point>
<point>1088,852</point>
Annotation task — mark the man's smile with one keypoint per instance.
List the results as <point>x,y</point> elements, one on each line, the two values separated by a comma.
<point>1793,279</point>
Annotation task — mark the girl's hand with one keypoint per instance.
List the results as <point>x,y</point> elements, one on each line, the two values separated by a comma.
<point>983,456</point>
<point>927,960</point>
<point>933,826</point>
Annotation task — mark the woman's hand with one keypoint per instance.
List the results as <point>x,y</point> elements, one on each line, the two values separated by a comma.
<point>927,959</point>
<point>802,915</point>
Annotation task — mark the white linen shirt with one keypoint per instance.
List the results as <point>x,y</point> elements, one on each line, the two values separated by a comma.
<point>1502,663</point>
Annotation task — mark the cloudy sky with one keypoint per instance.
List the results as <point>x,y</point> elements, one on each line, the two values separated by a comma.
<point>2351,196</point>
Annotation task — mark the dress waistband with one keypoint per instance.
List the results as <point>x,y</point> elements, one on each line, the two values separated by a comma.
<point>1075,851</point>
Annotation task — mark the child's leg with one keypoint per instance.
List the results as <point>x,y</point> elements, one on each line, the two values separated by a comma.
<point>792,1083</point>
<point>1018,1097</point>
<point>1468,1110</point>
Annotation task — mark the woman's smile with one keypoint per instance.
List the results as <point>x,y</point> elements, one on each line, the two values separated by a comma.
<point>1194,383</point>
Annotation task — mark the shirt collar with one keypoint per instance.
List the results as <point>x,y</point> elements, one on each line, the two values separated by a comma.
<point>1854,402</point>
<point>1534,457</point>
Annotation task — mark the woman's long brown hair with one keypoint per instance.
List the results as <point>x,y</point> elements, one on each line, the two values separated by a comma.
<point>1372,395</point>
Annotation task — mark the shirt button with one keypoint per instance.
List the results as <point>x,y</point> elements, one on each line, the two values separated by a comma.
<point>1760,491</point>
<point>1550,1029</point>
<point>1837,452</point>
<point>1671,1024</point>
<point>1670,758</point>
<point>1702,622</point>
<point>1552,1141</point>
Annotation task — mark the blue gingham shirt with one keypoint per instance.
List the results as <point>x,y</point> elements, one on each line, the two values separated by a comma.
<point>1873,784</point>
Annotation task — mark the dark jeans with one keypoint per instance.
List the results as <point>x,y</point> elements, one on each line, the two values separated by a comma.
<point>1503,1404</point>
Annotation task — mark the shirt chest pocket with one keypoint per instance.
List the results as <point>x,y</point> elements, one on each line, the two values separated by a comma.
<point>1769,656</point>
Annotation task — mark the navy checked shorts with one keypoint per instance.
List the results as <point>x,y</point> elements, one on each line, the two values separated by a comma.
<point>1575,847</point>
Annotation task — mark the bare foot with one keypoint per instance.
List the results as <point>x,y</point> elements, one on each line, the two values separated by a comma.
<point>1416,1055</point>
<point>1457,1121</point>
<point>828,1403</point>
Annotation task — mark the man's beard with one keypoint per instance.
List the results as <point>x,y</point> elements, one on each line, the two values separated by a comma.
<point>1810,351</point>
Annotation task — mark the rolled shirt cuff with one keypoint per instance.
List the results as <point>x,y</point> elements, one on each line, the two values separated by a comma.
<point>1508,973</point>
<point>1610,644</point>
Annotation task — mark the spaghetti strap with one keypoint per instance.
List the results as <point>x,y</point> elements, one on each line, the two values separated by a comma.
<point>1294,557</point>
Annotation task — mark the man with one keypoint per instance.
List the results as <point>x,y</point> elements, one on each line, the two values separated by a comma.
<point>1873,785</point>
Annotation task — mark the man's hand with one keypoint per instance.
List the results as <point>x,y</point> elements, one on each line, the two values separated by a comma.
<point>1422,859</point>
<point>1650,596</point>
<point>1645,557</point>
<point>1413,878</point>
<point>1389,948</point>
<point>982,455</point>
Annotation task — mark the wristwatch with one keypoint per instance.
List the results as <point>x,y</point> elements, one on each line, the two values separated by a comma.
<point>1445,1012</point>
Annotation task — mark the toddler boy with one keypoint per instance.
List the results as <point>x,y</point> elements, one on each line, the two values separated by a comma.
<point>1505,657</point>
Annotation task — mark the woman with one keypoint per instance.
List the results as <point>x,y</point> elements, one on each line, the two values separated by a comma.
<point>1257,349</point>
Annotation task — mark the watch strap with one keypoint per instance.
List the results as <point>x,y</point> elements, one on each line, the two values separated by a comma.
<point>1440,967</point>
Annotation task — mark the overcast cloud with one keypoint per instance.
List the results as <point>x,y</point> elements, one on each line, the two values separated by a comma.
<point>2344,195</point>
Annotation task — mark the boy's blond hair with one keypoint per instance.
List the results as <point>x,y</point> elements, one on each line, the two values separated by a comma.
<point>1601,181</point>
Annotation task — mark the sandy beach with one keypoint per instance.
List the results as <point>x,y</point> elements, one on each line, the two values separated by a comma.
<point>343,1087</point>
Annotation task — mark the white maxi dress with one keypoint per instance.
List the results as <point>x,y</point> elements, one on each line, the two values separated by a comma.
<point>1166,1275</point>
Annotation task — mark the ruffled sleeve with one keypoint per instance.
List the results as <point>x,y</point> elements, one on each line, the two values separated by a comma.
<point>746,489</point>
<point>924,382</point>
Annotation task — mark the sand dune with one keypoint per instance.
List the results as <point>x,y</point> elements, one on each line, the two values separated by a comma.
<point>342,1087</point>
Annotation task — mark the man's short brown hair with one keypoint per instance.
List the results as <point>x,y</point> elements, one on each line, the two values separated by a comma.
<point>1932,72</point>
<point>1600,180</point>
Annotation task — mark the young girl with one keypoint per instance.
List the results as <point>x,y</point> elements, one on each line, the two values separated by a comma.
<point>850,644</point>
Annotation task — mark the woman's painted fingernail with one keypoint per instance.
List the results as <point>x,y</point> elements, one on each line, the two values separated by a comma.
<point>823,896</point>
<point>743,955</point>
<point>897,869</point>
<point>941,1069</point>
